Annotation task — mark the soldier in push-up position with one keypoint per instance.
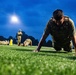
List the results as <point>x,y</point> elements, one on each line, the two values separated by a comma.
<point>62,30</point>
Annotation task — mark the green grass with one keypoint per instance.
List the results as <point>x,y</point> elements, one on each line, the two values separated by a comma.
<point>18,60</point>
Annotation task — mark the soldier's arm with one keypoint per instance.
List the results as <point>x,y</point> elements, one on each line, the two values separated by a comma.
<point>44,36</point>
<point>73,34</point>
<point>74,42</point>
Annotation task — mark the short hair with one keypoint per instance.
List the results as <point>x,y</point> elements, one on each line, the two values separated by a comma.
<point>57,14</point>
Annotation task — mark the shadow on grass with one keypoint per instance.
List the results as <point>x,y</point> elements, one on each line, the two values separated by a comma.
<point>42,52</point>
<point>24,50</point>
<point>71,57</point>
<point>29,50</point>
<point>49,53</point>
<point>53,51</point>
<point>58,55</point>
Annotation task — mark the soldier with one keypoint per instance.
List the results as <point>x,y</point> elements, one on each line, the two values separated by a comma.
<point>27,42</point>
<point>19,35</point>
<point>62,31</point>
<point>4,42</point>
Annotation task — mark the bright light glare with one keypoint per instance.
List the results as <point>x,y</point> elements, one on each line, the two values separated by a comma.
<point>14,19</point>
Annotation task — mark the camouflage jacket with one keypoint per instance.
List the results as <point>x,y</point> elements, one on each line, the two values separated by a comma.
<point>60,33</point>
<point>19,34</point>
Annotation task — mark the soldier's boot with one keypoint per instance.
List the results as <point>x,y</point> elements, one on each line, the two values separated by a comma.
<point>57,48</point>
<point>19,44</point>
<point>68,47</point>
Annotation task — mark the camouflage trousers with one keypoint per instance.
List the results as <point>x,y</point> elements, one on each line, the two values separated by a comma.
<point>66,46</point>
<point>19,40</point>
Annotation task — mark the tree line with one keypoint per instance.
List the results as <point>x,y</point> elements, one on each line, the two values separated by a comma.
<point>24,37</point>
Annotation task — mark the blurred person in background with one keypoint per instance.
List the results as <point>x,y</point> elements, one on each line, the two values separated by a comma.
<point>19,35</point>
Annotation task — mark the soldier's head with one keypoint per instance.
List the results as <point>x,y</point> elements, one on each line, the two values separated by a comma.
<point>58,16</point>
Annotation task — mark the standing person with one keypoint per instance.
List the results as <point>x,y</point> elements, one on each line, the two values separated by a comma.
<point>19,35</point>
<point>62,31</point>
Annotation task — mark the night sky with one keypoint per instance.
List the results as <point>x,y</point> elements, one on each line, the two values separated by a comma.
<point>32,15</point>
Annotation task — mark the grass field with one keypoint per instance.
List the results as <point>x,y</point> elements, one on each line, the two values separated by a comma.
<point>18,60</point>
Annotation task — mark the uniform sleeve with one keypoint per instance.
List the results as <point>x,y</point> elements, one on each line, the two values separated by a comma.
<point>72,28</point>
<point>47,28</point>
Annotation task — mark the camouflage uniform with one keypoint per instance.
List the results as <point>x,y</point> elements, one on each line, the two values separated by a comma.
<point>19,35</point>
<point>61,34</point>
<point>27,42</point>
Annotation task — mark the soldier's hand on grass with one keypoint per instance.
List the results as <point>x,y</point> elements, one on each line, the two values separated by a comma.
<point>35,50</point>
